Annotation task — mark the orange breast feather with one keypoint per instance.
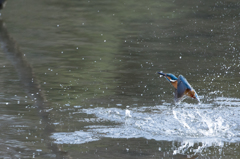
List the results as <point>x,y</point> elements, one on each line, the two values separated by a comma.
<point>174,84</point>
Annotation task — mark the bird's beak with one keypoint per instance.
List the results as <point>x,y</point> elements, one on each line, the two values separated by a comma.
<point>163,74</point>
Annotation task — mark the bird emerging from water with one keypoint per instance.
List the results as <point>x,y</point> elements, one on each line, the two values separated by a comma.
<point>181,85</point>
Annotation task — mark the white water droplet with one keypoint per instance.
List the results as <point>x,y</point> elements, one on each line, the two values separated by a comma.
<point>127,113</point>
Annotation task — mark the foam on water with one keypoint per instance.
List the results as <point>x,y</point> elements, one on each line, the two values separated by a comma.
<point>210,124</point>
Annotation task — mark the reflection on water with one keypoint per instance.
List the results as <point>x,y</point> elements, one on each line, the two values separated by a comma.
<point>204,125</point>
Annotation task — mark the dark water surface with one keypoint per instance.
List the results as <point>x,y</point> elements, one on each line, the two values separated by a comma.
<point>78,79</point>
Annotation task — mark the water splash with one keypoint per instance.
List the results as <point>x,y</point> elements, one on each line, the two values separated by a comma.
<point>210,124</point>
<point>190,146</point>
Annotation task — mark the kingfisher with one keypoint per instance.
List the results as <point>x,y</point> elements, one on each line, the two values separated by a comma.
<point>181,85</point>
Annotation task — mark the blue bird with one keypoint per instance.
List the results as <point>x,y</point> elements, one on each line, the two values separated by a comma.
<point>181,85</point>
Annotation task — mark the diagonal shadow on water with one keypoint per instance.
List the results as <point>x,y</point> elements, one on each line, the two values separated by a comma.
<point>30,83</point>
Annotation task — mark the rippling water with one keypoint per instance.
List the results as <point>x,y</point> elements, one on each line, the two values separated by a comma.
<point>78,79</point>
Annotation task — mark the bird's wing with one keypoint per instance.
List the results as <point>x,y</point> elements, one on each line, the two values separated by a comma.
<point>181,88</point>
<point>184,88</point>
<point>185,82</point>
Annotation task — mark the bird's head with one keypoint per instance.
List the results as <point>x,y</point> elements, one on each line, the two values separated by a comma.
<point>170,77</point>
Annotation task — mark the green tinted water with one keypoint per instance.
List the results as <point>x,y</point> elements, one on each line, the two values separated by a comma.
<point>88,55</point>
